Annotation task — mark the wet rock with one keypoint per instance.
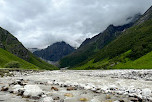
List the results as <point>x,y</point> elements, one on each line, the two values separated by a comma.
<point>20,92</point>
<point>134,99</point>
<point>16,88</point>
<point>18,82</point>
<point>71,88</point>
<point>10,91</point>
<point>56,98</point>
<point>65,86</point>
<point>54,88</point>
<point>4,88</point>
<point>121,101</point>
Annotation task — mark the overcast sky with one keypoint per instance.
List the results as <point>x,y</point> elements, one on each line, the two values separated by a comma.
<point>39,23</point>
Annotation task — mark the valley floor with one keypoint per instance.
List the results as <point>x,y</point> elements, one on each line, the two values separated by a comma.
<point>77,86</point>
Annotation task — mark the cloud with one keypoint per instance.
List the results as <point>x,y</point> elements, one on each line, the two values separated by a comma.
<point>39,23</point>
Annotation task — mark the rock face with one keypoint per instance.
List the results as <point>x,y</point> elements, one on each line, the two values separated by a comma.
<point>10,43</point>
<point>146,16</point>
<point>55,52</point>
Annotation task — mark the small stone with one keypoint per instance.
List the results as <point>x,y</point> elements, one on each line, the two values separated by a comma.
<point>10,91</point>
<point>121,101</point>
<point>64,85</point>
<point>56,98</point>
<point>134,99</point>
<point>70,88</point>
<point>68,95</point>
<point>108,97</point>
<point>4,88</point>
<point>54,88</point>
<point>83,99</point>
<point>108,101</point>
<point>20,92</point>
<point>62,100</point>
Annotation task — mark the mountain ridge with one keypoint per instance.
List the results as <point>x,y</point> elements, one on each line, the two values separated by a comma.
<point>11,44</point>
<point>92,45</point>
<point>55,51</point>
<point>131,47</point>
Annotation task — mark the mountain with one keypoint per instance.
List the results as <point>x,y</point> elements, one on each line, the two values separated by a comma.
<point>132,49</point>
<point>55,52</point>
<point>92,45</point>
<point>11,44</point>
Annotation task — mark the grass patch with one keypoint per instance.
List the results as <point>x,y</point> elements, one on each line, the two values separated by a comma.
<point>144,62</point>
<point>7,58</point>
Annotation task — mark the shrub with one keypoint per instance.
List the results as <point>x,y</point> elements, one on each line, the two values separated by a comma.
<point>12,64</point>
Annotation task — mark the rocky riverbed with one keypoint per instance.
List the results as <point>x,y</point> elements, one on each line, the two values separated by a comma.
<point>77,86</point>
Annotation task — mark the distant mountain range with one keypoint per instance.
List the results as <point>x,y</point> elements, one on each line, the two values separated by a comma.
<point>126,46</point>
<point>55,51</point>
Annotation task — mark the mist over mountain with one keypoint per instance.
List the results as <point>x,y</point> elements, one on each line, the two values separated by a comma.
<point>92,45</point>
<point>40,23</point>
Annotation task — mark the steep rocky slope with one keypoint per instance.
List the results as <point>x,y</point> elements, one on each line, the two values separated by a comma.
<point>55,51</point>
<point>11,44</point>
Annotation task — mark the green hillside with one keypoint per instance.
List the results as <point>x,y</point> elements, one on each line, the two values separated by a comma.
<point>127,50</point>
<point>6,57</point>
<point>92,45</point>
<point>40,63</point>
<point>120,62</point>
<point>145,62</point>
<point>11,44</point>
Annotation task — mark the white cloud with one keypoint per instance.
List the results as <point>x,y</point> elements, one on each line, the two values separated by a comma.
<point>38,23</point>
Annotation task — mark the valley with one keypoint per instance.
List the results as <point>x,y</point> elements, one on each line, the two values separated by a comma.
<point>76,51</point>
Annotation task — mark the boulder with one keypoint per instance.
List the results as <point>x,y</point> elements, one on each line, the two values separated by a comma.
<point>146,92</point>
<point>32,91</point>
<point>54,88</point>
<point>47,99</point>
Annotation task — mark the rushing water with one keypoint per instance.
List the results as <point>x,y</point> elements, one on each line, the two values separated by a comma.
<point>91,86</point>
